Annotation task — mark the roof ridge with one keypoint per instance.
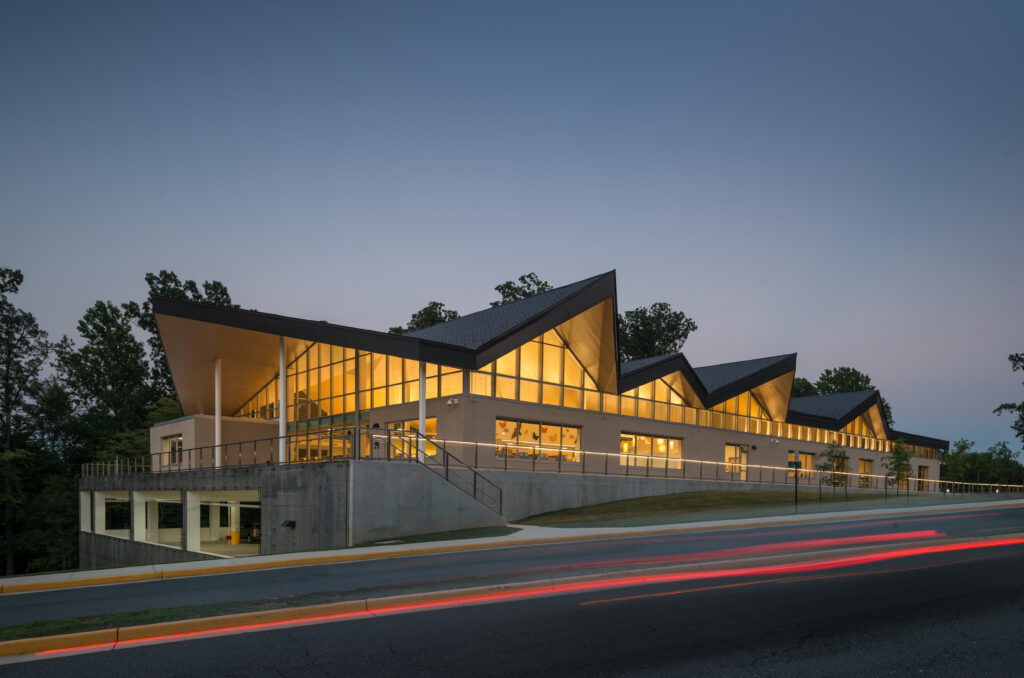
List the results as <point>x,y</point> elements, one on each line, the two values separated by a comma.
<point>481,328</point>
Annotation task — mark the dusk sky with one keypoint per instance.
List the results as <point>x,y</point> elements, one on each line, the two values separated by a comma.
<point>840,180</point>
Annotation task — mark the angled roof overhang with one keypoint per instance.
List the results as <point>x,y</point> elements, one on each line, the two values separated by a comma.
<point>836,410</point>
<point>194,335</point>
<point>591,336</point>
<point>729,380</point>
<point>923,441</point>
<point>674,368</point>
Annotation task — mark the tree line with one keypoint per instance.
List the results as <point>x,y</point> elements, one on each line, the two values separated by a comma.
<point>67,402</point>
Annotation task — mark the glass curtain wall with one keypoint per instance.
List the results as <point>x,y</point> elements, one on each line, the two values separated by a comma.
<point>542,371</point>
<point>325,384</point>
<point>323,389</point>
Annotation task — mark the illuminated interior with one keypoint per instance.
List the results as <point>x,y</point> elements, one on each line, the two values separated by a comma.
<point>406,447</point>
<point>637,449</point>
<point>736,457</point>
<point>806,460</point>
<point>543,370</point>
<point>327,384</point>
<point>864,468</point>
<point>322,383</point>
<point>536,440</point>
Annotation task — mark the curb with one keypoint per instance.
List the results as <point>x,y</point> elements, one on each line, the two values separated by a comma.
<point>453,548</point>
<point>252,621</point>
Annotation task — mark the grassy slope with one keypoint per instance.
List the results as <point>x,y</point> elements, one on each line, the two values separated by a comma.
<point>673,504</point>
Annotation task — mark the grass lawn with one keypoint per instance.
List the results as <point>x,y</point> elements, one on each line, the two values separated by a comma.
<point>686,502</point>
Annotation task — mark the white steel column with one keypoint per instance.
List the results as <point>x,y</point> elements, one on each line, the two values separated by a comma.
<point>99,513</point>
<point>216,414</point>
<point>152,520</point>
<point>190,521</point>
<point>137,507</point>
<point>356,435</point>
<point>423,410</point>
<point>85,511</point>
<point>234,520</point>
<point>282,405</point>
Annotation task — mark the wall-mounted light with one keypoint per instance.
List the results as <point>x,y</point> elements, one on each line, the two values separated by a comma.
<point>288,523</point>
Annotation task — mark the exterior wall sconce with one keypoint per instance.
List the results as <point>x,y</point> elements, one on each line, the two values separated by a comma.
<point>288,523</point>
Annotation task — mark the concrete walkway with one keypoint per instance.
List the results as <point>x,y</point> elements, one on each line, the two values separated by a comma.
<point>526,535</point>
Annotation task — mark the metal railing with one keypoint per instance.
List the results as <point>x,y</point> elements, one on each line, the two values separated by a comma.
<point>373,444</point>
<point>461,462</point>
<point>117,466</point>
<point>550,459</point>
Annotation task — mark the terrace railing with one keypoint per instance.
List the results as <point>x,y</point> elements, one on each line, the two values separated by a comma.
<point>371,444</point>
<point>461,463</point>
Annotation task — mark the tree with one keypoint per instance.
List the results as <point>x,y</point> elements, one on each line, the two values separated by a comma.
<point>431,314</point>
<point>1003,461</point>
<point>23,350</point>
<point>108,377</point>
<point>1016,365</point>
<point>653,331</point>
<point>527,286</point>
<point>834,464</point>
<point>167,284</point>
<point>802,388</point>
<point>953,462</point>
<point>897,465</point>
<point>842,380</point>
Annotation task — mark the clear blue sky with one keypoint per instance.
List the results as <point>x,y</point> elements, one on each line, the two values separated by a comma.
<point>840,179</point>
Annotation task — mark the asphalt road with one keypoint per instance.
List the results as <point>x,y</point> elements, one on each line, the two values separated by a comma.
<point>950,614</point>
<point>377,578</point>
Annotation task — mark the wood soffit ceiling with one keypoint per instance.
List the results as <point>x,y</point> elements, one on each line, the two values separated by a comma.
<point>248,361</point>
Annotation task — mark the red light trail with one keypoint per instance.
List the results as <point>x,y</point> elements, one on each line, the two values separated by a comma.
<point>581,587</point>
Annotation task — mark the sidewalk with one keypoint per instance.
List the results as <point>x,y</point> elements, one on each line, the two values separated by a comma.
<point>527,535</point>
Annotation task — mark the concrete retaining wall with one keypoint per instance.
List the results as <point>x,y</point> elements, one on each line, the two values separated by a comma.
<point>527,494</point>
<point>99,550</point>
<point>315,496</point>
<point>395,499</point>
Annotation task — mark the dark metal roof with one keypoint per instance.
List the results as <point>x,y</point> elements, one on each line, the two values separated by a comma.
<point>476,339</point>
<point>631,366</point>
<point>469,342</point>
<point>923,441</point>
<point>635,373</point>
<point>478,329</point>
<point>836,410</point>
<point>727,380</point>
<point>834,406</point>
